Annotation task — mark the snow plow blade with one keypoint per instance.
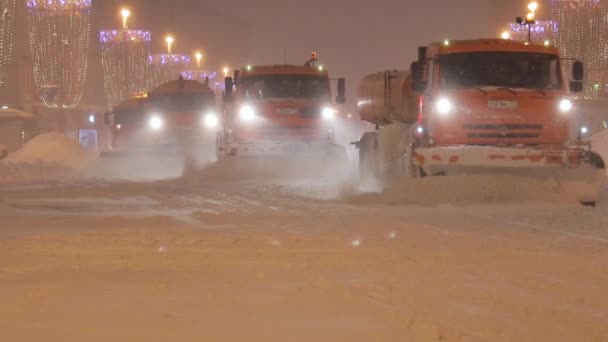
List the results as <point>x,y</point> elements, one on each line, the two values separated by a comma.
<point>332,152</point>
<point>579,172</point>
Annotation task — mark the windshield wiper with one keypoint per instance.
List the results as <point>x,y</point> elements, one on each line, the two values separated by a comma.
<point>509,90</point>
<point>541,92</point>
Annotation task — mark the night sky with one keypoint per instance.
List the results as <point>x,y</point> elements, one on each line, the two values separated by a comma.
<point>352,37</point>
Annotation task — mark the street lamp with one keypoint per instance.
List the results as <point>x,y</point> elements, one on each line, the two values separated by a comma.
<point>169,41</point>
<point>125,17</point>
<point>226,71</point>
<point>529,20</point>
<point>199,57</point>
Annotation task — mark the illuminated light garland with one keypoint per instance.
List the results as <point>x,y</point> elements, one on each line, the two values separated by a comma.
<point>59,35</point>
<point>124,57</point>
<point>167,67</point>
<point>7,35</point>
<point>541,31</point>
<point>202,76</point>
<point>582,35</point>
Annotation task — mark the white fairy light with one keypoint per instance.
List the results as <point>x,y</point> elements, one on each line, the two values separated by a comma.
<point>59,35</point>
<point>7,35</point>
<point>582,35</point>
<point>124,57</point>
<point>167,67</point>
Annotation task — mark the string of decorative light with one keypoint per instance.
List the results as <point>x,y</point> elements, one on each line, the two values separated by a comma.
<point>124,57</point>
<point>203,76</point>
<point>168,66</point>
<point>7,35</point>
<point>582,35</point>
<point>59,35</point>
<point>541,31</point>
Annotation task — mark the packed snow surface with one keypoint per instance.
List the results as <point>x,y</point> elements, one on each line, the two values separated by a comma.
<point>219,256</point>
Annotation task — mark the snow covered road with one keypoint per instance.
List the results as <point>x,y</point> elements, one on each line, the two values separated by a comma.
<point>200,259</point>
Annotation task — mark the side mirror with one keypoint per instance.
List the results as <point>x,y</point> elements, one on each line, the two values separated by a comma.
<point>417,72</point>
<point>576,86</point>
<point>228,84</point>
<point>341,98</point>
<point>106,118</point>
<point>237,73</point>
<point>578,71</point>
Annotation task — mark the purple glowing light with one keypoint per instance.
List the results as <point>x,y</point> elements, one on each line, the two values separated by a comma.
<point>58,4</point>
<point>162,59</point>
<point>125,36</point>
<point>196,75</point>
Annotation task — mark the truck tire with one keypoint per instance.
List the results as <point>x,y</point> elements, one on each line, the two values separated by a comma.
<point>368,157</point>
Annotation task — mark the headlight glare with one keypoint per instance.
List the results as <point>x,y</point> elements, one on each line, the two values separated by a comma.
<point>156,122</point>
<point>247,113</point>
<point>211,120</point>
<point>328,113</point>
<point>444,106</point>
<point>565,105</point>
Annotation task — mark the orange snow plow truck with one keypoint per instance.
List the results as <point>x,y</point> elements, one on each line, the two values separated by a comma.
<point>280,110</point>
<point>174,123</point>
<point>477,106</point>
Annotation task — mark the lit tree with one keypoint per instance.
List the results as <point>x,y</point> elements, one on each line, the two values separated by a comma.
<point>167,66</point>
<point>124,57</point>
<point>7,34</point>
<point>200,75</point>
<point>59,34</point>
<point>583,35</point>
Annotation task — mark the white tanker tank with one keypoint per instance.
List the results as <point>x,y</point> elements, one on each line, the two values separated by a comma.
<point>387,97</point>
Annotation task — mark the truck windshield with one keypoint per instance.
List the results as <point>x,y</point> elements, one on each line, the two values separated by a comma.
<point>285,86</point>
<point>500,69</point>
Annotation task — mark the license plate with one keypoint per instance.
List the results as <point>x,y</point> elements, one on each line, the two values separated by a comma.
<point>503,104</point>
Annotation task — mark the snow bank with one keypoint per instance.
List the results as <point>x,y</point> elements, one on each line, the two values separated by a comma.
<point>599,144</point>
<point>52,148</point>
<point>48,156</point>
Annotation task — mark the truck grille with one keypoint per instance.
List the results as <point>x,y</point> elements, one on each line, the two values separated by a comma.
<point>506,131</point>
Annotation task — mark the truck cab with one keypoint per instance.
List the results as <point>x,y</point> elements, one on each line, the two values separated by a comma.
<point>279,109</point>
<point>493,92</point>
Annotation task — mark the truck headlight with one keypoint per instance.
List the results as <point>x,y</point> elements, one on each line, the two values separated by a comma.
<point>211,120</point>
<point>328,113</point>
<point>155,122</point>
<point>584,130</point>
<point>565,105</point>
<point>247,114</point>
<point>444,106</point>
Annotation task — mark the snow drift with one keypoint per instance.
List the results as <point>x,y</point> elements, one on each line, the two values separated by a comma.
<point>47,156</point>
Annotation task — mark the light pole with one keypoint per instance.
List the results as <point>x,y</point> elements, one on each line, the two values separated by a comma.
<point>199,57</point>
<point>169,41</point>
<point>125,17</point>
<point>530,19</point>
